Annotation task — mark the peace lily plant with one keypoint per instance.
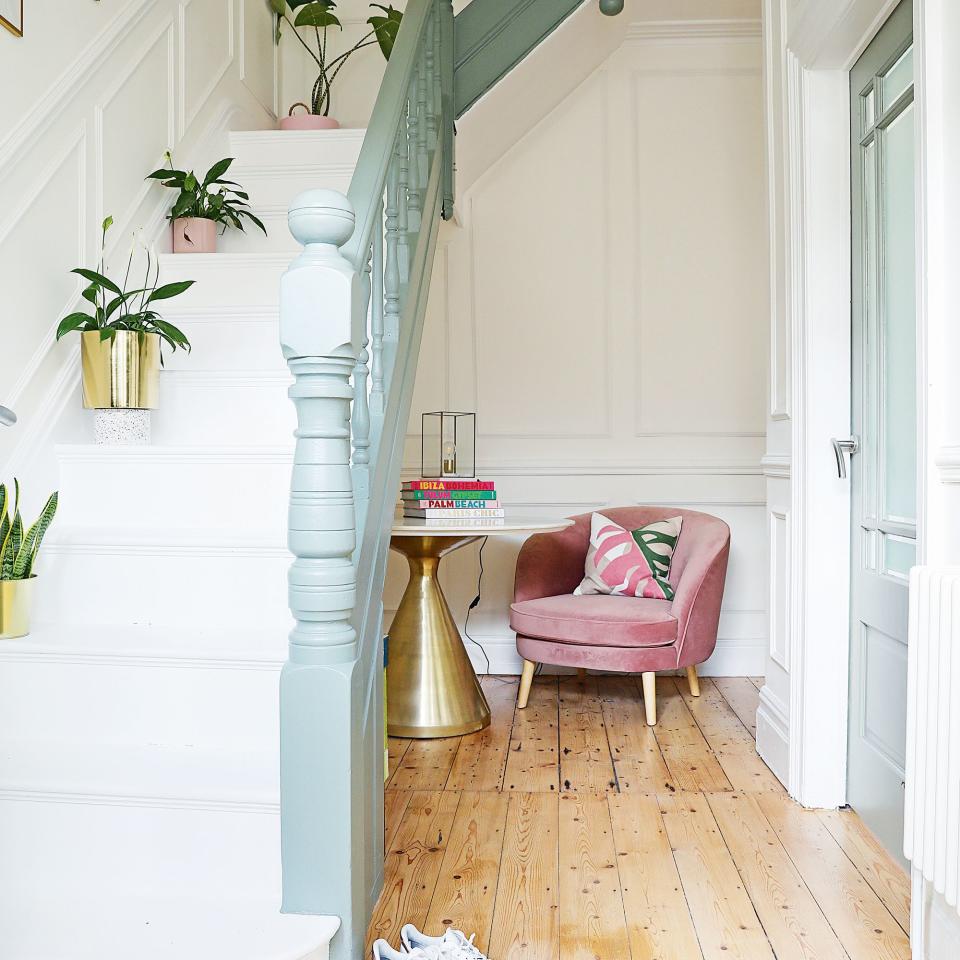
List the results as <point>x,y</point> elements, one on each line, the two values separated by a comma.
<point>121,332</point>
<point>312,19</point>
<point>18,556</point>
<point>204,204</point>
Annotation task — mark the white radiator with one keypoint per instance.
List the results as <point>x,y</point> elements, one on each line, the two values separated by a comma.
<point>932,814</point>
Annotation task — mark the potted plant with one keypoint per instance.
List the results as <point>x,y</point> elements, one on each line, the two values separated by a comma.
<point>203,204</point>
<point>121,333</point>
<point>315,18</point>
<point>18,557</point>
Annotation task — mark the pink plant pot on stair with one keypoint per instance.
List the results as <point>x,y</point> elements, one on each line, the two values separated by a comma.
<point>194,235</point>
<point>307,120</point>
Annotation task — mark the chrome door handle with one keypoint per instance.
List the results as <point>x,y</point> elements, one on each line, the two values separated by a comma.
<point>7,416</point>
<point>849,446</point>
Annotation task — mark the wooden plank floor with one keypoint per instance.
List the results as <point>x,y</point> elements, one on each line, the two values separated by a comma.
<point>572,831</point>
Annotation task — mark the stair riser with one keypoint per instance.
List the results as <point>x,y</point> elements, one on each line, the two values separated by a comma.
<point>248,281</point>
<point>275,188</point>
<point>235,494</point>
<point>129,851</point>
<point>212,410</point>
<point>278,238</point>
<point>226,340</point>
<point>99,700</point>
<point>321,151</point>
<point>164,587</point>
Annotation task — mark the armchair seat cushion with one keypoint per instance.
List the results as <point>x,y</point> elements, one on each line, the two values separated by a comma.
<point>599,621</point>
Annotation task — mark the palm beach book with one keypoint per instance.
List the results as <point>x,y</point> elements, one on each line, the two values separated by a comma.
<point>490,494</point>
<point>420,505</point>
<point>431,514</point>
<point>447,485</point>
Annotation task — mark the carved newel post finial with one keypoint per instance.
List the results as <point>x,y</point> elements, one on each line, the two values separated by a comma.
<point>317,298</point>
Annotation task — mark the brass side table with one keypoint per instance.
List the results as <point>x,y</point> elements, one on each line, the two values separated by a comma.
<point>432,689</point>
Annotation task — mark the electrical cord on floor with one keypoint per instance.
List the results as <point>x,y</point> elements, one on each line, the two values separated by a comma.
<point>475,603</point>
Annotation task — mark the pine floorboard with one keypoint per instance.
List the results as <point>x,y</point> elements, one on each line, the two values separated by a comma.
<point>573,831</point>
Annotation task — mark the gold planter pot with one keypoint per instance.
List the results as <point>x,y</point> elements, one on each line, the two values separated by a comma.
<point>15,608</point>
<point>121,372</point>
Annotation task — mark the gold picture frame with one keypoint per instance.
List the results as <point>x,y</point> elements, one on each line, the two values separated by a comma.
<point>11,16</point>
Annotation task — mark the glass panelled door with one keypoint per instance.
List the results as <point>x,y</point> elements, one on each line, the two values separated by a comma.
<point>883,472</point>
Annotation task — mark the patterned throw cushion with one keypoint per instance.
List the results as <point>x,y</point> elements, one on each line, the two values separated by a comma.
<point>630,564</point>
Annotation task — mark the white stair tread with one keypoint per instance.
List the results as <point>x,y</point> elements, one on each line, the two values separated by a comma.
<point>142,642</point>
<point>147,774</point>
<point>152,928</point>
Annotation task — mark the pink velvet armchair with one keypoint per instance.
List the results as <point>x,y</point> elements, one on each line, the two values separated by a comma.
<point>626,634</point>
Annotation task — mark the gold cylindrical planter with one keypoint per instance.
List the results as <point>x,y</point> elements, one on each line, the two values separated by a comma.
<point>15,608</point>
<point>121,372</point>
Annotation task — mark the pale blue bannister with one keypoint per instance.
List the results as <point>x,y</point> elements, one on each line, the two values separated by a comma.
<point>351,316</point>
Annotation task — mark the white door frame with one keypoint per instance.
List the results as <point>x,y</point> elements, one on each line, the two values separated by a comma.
<point>823,42</point>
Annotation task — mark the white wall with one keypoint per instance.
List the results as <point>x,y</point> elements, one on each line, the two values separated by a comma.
<point>102,90</point>
<point>602,305</point>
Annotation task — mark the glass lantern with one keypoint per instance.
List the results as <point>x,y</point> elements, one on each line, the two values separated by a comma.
<point>449,443</point>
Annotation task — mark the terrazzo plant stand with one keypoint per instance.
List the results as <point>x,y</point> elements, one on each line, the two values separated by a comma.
<point>121,428</point>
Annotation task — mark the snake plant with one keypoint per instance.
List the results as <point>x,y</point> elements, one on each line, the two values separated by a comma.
<point>18,548</point>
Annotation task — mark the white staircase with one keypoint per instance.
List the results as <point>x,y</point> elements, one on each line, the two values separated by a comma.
<point>139,808</point>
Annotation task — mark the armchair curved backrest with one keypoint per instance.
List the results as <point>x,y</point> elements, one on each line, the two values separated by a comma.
<point>550,564</point>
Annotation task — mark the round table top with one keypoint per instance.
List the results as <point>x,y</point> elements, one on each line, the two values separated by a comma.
<point>409,527</point>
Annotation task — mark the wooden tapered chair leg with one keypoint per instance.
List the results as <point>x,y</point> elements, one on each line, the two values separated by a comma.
<point>693,680</point>
<point>650,698</point>
<point>526,681</point>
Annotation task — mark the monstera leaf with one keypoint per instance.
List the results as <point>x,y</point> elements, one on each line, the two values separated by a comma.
<point>386,27</point>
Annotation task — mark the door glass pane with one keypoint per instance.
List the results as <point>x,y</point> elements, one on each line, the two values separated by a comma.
<point>899,555</point>
<point>866,111</point>
<point>899,325</point>
<point>897,78</point>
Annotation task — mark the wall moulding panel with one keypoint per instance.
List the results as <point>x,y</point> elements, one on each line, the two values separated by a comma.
<point>151,75</point>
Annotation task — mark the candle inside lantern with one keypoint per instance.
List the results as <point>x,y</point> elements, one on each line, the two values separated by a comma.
<point>449,458</point>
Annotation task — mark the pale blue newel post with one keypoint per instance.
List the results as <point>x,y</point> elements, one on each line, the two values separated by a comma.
<point>318,750</point>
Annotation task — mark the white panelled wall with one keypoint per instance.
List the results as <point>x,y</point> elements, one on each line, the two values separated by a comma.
<point>602,304</point>
<point>101,91</point>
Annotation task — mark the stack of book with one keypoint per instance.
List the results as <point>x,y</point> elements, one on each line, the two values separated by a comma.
<point>440,501</point>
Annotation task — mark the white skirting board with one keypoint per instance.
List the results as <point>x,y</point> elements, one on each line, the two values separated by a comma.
<point>773,734</point>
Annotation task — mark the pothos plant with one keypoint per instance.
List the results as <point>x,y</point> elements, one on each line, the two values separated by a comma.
<point>114,307</point>
<point>212,198</point>
<point>314,18</point>
<point>19,547</point>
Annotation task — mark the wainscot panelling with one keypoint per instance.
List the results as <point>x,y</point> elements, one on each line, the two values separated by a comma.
<point>602,305</point>
<point>148,79</point>
<point>207,42</point>
<point>149,75</point>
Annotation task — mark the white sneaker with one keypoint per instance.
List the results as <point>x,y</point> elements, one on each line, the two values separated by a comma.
<point>453,944</point>
<point>383,951</point>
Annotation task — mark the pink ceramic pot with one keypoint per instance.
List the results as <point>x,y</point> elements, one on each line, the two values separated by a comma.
<point>194,235</point>
<point>307,120</point>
